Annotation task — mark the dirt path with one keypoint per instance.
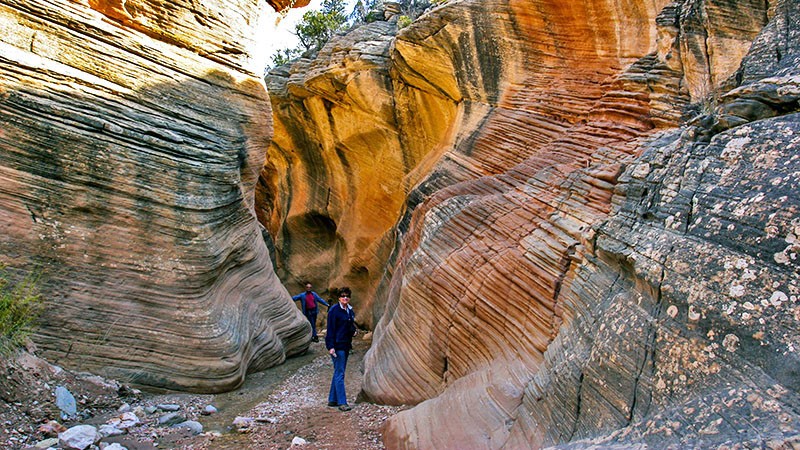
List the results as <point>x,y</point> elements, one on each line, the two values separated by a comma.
<point>278,404</point>
<point>296,406</point>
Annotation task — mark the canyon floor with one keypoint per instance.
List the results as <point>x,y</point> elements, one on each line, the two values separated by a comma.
<point>274,408</point>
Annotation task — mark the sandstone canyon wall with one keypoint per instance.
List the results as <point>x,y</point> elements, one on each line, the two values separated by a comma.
<point>131,137</point>
<point>599,242</point>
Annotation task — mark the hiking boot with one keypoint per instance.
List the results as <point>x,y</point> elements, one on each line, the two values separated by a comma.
<point>314,339</point>
<point>344,408</point>
<point>334,404</point>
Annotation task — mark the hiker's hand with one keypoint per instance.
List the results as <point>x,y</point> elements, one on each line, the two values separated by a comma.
<point>332,352</point>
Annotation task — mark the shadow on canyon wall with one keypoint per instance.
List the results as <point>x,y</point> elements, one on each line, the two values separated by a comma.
<point>134,198</point>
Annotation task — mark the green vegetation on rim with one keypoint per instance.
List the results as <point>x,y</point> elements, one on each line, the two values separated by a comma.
<point>317,27</point>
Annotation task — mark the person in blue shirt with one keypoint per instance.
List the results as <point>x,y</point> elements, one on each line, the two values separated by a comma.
<point>309,303</point>
<point>339,341</point>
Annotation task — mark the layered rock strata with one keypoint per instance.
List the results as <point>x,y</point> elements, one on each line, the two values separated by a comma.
<point>599,241</point>
<point>132,134</point>
<point>334,181</point>
<point>521,304</point>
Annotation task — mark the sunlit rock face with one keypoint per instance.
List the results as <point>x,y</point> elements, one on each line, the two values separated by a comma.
<point>336,175</point>
<point>358,127</point>
<point>131,137</point>
<point>608,254</point>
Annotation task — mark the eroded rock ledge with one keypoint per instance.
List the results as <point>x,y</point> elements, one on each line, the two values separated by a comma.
<point>131,137</point>
<point>599,244</point>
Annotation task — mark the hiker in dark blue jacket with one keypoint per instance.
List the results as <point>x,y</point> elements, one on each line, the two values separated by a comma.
<point>309,303</point>
<point>339,341</point>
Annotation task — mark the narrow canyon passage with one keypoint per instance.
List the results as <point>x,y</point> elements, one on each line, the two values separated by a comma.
<point>567,224</point>
<point>297,406</point>
<point>284,403</point>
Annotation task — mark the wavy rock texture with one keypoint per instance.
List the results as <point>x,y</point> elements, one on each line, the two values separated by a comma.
<point>353,137</point>
<point>334,182</point>
<point>132,135</point>
<point>577,268</point>
<point>621,280</point>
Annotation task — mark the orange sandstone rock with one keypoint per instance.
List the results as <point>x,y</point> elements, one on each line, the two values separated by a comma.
<point>553,280</point>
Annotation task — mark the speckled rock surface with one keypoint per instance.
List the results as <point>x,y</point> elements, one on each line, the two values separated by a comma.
<point>131,136</point>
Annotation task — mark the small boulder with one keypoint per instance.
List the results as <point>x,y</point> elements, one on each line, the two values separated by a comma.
<point>168,407</point>
<point>191,425</point>
<point>78,437</point>
<point>66,402</point>
<point>173,418</point>
<point>208,410</point>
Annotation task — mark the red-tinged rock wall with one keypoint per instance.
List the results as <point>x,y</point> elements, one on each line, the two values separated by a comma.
<point>131,136</point>
<point>546,287</point>
<point>626,278</point>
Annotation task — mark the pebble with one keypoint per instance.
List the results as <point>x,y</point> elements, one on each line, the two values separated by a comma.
<point>243,423</point>
<point>191,425</point>
<point>168,407</point>
<point>171,419</point>
<point>114,446</point>
<point>107,430</point>
<point>47,443</point>
<point>208,410</point>
<point>124,421</point>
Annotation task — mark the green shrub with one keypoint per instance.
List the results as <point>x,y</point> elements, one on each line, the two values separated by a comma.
<point>373,16</point>
<point>403,21</point>
<point>20,307</point>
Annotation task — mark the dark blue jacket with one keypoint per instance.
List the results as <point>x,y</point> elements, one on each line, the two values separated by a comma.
<point>341,328</point>
<point>302,298</point>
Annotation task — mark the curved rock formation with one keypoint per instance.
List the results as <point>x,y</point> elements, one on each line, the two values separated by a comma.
<point>132,134</point>
<point>520,303</point>
<point>579,263</point>
<point>333,185</point>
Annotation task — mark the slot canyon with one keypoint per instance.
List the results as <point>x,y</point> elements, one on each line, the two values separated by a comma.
<point>566,224</point>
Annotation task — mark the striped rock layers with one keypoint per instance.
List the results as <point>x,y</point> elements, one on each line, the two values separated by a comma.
<point>599,241</point>
<point>335,178</point>
<point>131,136</point>
<point>616,276</point>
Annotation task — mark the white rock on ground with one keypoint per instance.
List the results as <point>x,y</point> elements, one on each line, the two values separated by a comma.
<point>124,421</point>
<point>78,437</point>
<point>114,446</point>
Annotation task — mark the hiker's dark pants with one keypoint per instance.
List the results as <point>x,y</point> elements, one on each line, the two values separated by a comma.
<point>337,394</point>
<point>312,318</point>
